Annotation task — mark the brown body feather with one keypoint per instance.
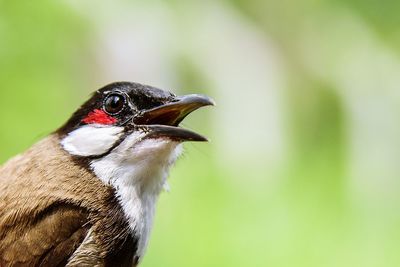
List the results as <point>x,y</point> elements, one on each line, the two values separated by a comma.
<point>55,212</point>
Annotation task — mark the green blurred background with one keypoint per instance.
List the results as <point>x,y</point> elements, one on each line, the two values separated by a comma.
<point>303,168</point>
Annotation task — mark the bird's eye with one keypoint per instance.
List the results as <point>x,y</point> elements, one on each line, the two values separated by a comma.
<point>114,104</point>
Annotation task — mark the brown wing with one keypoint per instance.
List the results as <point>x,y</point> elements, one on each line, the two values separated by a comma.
<point>54,211</point>
<point>48,239</point>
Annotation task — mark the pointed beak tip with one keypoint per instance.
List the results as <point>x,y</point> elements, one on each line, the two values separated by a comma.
<point>208,101</point>
<point>206,140</point>
<point>213,103</point>
<point>199,99</point>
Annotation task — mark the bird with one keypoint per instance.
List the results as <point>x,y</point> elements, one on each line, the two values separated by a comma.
<point>86,194</point>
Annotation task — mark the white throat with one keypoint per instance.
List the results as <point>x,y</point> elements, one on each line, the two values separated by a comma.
<point>138,169</point>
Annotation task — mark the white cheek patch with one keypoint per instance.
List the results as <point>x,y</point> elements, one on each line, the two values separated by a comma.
<point>91,140</point>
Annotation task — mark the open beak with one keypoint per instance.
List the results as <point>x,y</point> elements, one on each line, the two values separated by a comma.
<point>163,121</point>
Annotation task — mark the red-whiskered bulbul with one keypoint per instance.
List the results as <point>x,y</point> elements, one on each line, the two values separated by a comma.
<point>86,194</point>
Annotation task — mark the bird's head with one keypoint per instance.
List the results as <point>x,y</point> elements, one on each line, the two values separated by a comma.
<point>130,125</point>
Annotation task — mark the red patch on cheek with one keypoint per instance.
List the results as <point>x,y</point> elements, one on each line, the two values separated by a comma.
<point>99,117</point>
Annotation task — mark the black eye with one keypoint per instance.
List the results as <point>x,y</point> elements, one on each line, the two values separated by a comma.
<point>114,104</point>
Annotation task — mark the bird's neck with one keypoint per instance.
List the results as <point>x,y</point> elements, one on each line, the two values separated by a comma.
<point>139,208</point>
<point>138,175</point>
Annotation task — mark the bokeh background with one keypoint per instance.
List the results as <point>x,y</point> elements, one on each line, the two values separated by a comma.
<point>303,168</point>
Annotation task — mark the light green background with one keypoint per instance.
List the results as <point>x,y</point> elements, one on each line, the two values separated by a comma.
<point>303,168</point>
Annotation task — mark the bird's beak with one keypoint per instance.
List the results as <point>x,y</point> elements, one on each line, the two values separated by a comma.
<point>163,121</point>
